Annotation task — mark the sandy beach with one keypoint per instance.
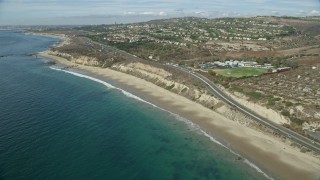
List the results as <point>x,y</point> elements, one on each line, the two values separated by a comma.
<point>274,156</point>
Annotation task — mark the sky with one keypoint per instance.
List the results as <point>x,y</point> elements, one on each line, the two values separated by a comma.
<point>78,12</point>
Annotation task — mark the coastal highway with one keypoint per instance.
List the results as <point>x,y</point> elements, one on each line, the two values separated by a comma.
<point>216,91</point>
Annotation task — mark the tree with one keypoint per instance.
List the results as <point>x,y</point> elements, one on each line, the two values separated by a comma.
<point>275,63</point>
<point>292,63</point>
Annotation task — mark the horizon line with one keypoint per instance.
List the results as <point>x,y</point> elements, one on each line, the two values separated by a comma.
<point>177,17</point>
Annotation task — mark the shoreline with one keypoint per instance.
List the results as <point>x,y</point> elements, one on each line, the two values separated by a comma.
<point>268,153</point>
<point>179,118</point>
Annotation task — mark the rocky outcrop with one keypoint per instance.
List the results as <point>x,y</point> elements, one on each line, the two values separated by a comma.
<point>84,60</point>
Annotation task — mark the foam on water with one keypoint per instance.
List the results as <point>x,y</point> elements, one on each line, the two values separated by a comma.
<point>256,168</point>
<point>189,123</point>
<point>105,84</point>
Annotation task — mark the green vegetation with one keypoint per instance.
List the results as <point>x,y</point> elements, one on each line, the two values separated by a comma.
<point>272,100</point>
<point>169,38</point>
<point>144,48</point>
<point>288,103</point>
<point>277,99</point>
<point>237,88</point>
<point>292,118</point>
<point>278,61</point>
<point>212,73</point>
<point>241,72</point>
<point>285,113</point>
<point>255,95</point>
<point>226,85</point>
<point>296,120</point>
<point>287,31</point>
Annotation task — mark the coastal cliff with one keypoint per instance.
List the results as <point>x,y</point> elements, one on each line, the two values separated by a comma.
<point>84,60</point>
<point>158,76</point>
<point>167,80</point>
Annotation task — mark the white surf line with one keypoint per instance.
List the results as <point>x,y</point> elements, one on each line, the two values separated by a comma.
<point>196,127</point>
<point>189,123</point>
<point>105,84</point>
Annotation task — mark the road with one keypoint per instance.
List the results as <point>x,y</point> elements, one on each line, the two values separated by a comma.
<point>216,91</point>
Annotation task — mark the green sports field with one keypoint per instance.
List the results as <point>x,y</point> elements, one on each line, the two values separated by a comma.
<point>241,72</point>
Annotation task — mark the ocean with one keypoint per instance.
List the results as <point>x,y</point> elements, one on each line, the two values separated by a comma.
<point>58,124</point>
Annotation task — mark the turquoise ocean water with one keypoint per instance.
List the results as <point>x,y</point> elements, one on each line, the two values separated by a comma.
<point>56,125</point>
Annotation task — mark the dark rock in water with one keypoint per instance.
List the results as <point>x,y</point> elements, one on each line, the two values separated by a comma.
<point>7,55</point>
<point>51,62</point>
<point>239,158</point>
<point>33,54</point>
<point>65,68</point>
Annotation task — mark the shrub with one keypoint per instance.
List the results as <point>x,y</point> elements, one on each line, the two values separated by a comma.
<point>255,95</point>
<point>271,102</point>
<point>237,88</point>
<point>277,99</point>
<point>226,85</point>
<point>285,113</point>
<point>280,108</point>
<point>296,120</point>
<point>212,73</point>
<point>288,104</point>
